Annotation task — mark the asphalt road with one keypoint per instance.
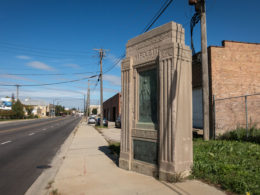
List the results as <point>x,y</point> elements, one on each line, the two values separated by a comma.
<point>27,148</point>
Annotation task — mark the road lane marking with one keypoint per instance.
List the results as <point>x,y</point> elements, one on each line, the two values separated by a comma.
<point>6,142</point>
<point>30,125</point>
<point>44,129</point>
<point>31,134</point>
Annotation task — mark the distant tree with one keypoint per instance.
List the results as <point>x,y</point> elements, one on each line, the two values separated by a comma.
<point>29,109</point>
<point>17,109</point>
<point>59,110</point>
<point>94,111</point>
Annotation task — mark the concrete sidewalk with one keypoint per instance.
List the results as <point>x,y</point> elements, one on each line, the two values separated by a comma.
<point>111,134</point>
<point>87,169</point>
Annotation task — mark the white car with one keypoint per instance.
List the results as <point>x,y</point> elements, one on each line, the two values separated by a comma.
<point>91,120</point>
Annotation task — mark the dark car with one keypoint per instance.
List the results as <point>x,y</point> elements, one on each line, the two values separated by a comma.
<point>105,122</point>
<point>118,122</point>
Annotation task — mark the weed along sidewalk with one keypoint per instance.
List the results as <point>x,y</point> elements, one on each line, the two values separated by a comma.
<point>88,169</point>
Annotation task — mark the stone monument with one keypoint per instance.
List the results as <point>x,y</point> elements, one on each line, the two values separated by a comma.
<point>156,136</point>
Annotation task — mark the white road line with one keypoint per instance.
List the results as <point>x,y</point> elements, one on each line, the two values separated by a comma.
<point>31,134</point>
<point>44,129</point>
<point>6,142</point>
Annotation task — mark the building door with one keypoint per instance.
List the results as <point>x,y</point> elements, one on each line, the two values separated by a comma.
<point>114,114</point>
<point>197,108</point>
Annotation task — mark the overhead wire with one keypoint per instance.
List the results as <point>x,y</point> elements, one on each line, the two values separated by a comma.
<point>45,84</point>
<point>157,16</point>
<point>40,54</point>
<point>194,20</point>
<point>147,27</point>
<point>43,49</point>
<point>47,74</point>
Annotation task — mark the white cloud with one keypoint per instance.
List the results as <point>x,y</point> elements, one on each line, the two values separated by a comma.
<point>114,80</point>
<point>109,90</point>
<point>40,65</point>
<point>23,57</point>
<point>8,76</point>
<point>75,66</point>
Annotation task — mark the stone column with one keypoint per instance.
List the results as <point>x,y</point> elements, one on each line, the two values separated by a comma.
<point>175,148</point>
<point>127,113</point>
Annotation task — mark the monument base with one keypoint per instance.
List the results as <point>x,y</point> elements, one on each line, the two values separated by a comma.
<point>124,164</point>
<point>145,168</point>
<point>173,176</point>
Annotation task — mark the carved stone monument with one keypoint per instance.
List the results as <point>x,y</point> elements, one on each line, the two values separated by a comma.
<point>156,124</point>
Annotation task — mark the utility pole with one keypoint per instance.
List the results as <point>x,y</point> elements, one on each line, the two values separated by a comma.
<point>88,99</point>
<point>17,92</point>
<point>200,6</point>
<point>101,56</point>
<point>53,109</point>
<point>84,105</point>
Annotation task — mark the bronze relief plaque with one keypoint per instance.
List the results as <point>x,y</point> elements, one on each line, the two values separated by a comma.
<point>145,151</point>
<point>148,96</point>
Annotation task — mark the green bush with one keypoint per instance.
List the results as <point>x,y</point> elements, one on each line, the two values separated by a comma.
<point>6,114</point>
<point>240,134</point>
<point>17,109</point>
<point>233,165</point>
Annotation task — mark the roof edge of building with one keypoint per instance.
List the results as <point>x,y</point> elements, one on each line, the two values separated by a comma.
<point>112,97</point>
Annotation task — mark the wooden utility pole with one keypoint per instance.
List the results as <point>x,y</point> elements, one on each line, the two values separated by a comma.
<point>84,105</point>
<point>101,56</point>
<point>205,71</point>
<point>17,92</point>
<point>88,100</point>
<point>201,8</point>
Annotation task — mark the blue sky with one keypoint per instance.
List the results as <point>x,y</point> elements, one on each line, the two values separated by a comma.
<point>58,37</point>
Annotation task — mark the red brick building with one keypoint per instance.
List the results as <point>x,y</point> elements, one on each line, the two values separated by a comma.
<point>234,83</point>
<point>111,107</point>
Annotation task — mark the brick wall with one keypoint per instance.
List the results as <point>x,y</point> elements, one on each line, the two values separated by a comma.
<point>235,70</point>
<point>111,107</point>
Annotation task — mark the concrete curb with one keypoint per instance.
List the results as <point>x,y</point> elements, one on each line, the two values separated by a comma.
<point>42,184</point>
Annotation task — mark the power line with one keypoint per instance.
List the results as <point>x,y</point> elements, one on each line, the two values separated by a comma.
<point>44,84</point>
<point>158,14</point>
<point>147,27</point>
<point>43,49</point>
<point>7,50</point>
<point>47,74</point>
<point>194,20</point>
<point>118,60</point>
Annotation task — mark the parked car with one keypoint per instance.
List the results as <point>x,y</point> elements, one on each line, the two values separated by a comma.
<point>105,122</point>
<point>118,122</point>
<point>91,120</point>
<point>93,116</point>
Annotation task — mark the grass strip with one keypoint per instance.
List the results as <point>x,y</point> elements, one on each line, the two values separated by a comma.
<point>233,165</point>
